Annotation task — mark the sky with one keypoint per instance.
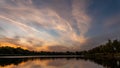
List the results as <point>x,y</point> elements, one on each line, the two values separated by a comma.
<point>58,25</point>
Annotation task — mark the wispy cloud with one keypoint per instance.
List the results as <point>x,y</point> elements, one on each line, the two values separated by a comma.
<point>45,24</point>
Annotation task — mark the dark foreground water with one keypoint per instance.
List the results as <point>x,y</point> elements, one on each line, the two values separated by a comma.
<point>57,62</point>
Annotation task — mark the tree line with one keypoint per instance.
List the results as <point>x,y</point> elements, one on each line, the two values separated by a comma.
<point>8,51</point>
<point>109,47</point>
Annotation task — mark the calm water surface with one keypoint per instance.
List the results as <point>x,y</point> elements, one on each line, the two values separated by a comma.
<point>32,62</point>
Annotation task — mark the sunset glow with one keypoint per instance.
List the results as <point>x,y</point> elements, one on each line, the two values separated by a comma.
<point>58,25</point>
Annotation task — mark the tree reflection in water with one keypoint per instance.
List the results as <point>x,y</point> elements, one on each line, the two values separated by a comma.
<point>108,63</point>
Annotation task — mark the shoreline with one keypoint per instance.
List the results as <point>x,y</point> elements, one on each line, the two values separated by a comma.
<point>42,56</point>
<point>87,56</point>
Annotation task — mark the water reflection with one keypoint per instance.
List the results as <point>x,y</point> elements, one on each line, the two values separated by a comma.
<point>107,63</point>
<point>58,63</point>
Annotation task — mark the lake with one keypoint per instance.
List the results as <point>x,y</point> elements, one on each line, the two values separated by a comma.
<point>56,62</point>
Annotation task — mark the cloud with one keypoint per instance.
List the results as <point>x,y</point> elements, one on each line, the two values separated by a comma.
<point>35,24</point>
<point>48,24</point>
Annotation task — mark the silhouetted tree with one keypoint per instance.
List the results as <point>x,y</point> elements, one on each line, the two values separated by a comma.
<point>109,47</point>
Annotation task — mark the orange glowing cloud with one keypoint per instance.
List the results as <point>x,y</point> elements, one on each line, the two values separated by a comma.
<point>39,28</point>
<point>2,44</point>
